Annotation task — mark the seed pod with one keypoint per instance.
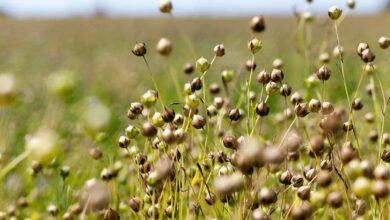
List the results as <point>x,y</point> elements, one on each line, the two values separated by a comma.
<point>324,57</point>
<point>229,141</point>
<point>168,135</point>
<point>324,178</point>
<point>123,142</point>
<point>361,47</point>
<point>380,189</point>
<point>262,109</point>
<point>196,84</point>
<point>131,115</point>
<point>326,165</point>
<point>111,214</point>
<point>202,65</point>
<point>369,68</point>
<point>304,192</point>
<point>166,6</point>
<point>384,42</point>
<point>219,50</point>
<point>214,88</point>
<point>139,49</point>
<point>263,77</point>
<point>347,152</point>
<point>338,51</point>
<point>52,209</point>
<point>22,202</point>
<point>385,156</point>
<point>285,178</point>
<point>178,120</point>
<point>234,114</point>
<point>302,211</point>
<point>65,216</point>
<point>252,96</point>
<point>323,73</point>
<point>351,4</point>
<point>348,126</point>
<point>368,55</point>
<point>218,102</point>
<point>357,104</point>
<point>271,88</point>
<point>135,204</point>
<point>335,199</point>
<point>297,180</point>
<point>212,111</point>
<point>301,110</point>
<point>327,108</point>
<point>198,121</point>
<point>36,166</point>
<point>180,135</point>
<point>136,108</point>
<point>227,76</point>
<point>267,196</point>
<point>314,105</point>
<point>164,47</point>
<point>334,12</point>
<point>296,98</point>
<point>250,66</point>
<point>373,136</point>
<point>188,68</point>
<point>257,24</point>
<point>152,212</point>
<point>149,98</point>
<point>149,130</point>
<point>258,214</point>
<point>277,63</point>
<point>317,144</point>
<point>277,75</point>
<point>382,172</point>
<point>361,187</point>
<point>255,45</point>
<point>310,174</point>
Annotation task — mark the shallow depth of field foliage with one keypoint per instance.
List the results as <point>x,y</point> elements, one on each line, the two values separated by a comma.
<point>84,134</point>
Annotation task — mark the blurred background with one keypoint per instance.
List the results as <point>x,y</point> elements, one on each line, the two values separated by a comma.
<point>187,8</point>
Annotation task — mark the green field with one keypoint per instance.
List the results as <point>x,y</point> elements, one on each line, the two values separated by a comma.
<point>98,53</point>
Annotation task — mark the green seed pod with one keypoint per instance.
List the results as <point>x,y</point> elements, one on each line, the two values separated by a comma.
<point>255,45</point>
<point>157,119</point>
<point>149,98</point>
<point>192,100</point>
<point>362,187</point>
<point>187,88</point>
<point>334,12</point>
<point>369,68</point>
<point>227,75</point>
<point>132,132</point>
<point>202,65</point>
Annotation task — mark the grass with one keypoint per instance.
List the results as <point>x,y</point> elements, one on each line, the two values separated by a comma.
<point>97,50</point>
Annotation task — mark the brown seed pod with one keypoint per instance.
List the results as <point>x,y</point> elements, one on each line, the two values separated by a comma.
<point>111,214</point>
<point>135,204</point>
<point>335,199</point>
<point>304,192</point>
<point>178,120</point>
<point>218,102</point>
<point>277,75</point>
<point>198,121</point>
<point>263,77</point>
<point>323,73</point>
<point>285,178</point>
<point>314,105</point>
<point>380,189</point>
<point>296,98</point>
<point>234,114</point>
<point>229,141</point>
<point>384,42</point>
<point>310,174</point>
<point>326,165</point>
<point>258,214</point>
<point>277,63</point>
<point>326,108</point>
<point>166,6</point>
<point>347,152</point>
<point>95,153</point>
<point>357,104</point>
<point>267,196</point>
<point>149,130</point>
<point>214,88</point>
<point>324,57</point>
<point>139,49</point>
<point>324,178</point>
<point>367,55</point>
<point>262,109</point>
<point>136,108</point>
<point>301,110</point>
<point>196,84</point>
<point>302,211</point>
<point>297,180</point>
<point>361,47</point>
<point>317,144</point>
<point>219,50</point>
<point>168,135</point>
<point>168,115</point>
<point>188,68</point>
<point>373,136</point>
<point>36,166</point>
<point>152,212</point>
<point>123,142</point>
<point>382,172</point>
<point>360,207</point>
<point>385,156</point>
<point>257,24</point>
<point>250,65</point>
<point>285,90</point>
<point>348,126</point>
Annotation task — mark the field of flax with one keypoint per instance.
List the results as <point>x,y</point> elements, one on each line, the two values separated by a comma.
<point>85,135</point>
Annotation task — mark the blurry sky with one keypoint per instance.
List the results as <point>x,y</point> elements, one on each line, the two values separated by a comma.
<point>64,8</point>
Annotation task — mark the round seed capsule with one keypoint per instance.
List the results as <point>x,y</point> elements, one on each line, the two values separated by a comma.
<point>139,49</point>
